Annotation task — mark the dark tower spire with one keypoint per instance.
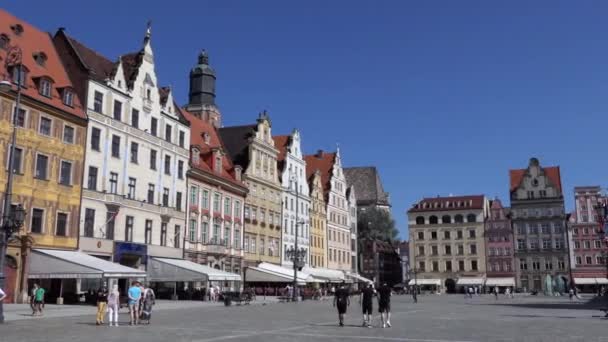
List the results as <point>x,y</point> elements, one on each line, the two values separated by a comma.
<point>202,82</point>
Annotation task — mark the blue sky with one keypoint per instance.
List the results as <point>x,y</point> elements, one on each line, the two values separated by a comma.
<point>444,97</point>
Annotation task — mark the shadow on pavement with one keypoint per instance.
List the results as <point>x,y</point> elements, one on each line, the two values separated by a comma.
<point>595,303</point>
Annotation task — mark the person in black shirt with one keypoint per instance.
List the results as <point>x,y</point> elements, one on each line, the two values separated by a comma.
<point>384,304</point>
<point>365,300</point>
<point>102,303</point>
<point>341,301</point>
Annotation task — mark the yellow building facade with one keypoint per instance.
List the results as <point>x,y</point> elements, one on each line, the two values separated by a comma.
<point>49,151</point>
<point>318,222</point>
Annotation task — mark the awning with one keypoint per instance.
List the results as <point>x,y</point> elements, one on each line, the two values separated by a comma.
<point>435,282</point>
<point>358,278</point>
<point>325,274</point>
<point>469,281</point>
<point>585,281</point>
<point>507,281</point>
<point>165,269</point>
<point>272,273</point>
<point>61,264</point>
<point>601,281</point>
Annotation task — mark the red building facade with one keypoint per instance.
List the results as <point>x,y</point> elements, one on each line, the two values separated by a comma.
<point>499,242</point>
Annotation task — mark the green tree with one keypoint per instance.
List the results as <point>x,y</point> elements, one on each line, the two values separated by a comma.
<point>376,224</point>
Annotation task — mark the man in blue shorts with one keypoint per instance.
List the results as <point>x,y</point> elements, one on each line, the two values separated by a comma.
<point>134,294</point>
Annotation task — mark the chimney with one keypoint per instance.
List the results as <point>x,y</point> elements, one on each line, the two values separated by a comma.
<point>319,154</point>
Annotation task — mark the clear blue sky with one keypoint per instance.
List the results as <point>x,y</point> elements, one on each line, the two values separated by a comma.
<point>442,96</point>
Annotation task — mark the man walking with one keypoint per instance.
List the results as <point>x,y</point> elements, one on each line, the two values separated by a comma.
<point>102,304</point>
<point>384,304</point>
<point>365,300</point>
<point>134,294</point>
<point>38,299</point>
<point>341,301</point>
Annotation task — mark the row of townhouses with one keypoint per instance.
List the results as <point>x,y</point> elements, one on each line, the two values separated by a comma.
<point>458,242</point>
<point>108,165</point>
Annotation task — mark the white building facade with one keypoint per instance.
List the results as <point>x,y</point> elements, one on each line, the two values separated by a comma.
<point>338,229</point>
<point>134,191</point>
<point>295,195</point>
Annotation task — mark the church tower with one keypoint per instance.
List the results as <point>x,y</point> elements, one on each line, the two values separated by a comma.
<point>201,97</point>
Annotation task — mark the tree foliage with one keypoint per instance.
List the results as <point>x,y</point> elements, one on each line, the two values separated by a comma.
<point>376,223</point>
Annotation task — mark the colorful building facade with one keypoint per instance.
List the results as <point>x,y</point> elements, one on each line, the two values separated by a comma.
<point>499,246</point>
<point>51,134</point>
<point>318,219</point>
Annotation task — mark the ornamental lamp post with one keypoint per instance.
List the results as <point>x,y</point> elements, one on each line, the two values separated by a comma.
<point>602,217</point>
<point>12,218</point>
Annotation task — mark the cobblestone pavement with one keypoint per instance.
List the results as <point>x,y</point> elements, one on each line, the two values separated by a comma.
<point>432,319</point>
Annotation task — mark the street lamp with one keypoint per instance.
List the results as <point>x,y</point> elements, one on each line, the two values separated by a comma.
<point>414,271</point>
<point>295,254</point>
<point>602,217</point>
<point>12,219</point>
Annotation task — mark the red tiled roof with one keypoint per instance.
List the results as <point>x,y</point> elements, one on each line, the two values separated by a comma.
<point>552,172</point>
<point>324,162</point>
<point>280,143</point>
<point>33,41</point>
<point>197,128</point>
<point>99,66</point>
<point>449,203</point>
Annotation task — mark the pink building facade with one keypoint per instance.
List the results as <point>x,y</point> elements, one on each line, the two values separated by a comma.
<point>499,247</point>
<point>587,242</point>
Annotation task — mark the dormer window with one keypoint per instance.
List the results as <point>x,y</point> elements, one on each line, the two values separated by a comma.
<point>45,87</point>
<point>17,29</point>
<point>68,97</point>
<point>4,41</point>
<point>16,72</point>
<point>40,58</point>
<point>148,94</point>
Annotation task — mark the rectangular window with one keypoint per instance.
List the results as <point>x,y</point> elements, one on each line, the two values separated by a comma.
<point>533,244</point>
<point>115,146</point>
<point>545,228</point>
<point>446,235</point>
<point>559,243</point>
<point>167,165</point>
<point>18,160</point>
<point>45,88</point>
<point>421,266</point>
<point>65,173</point>
<point>521,244</point>
<point>448,266</point>
<point>548,265</point>
<point>433,235</point>
<point>579,260</point>
<point>68,134</point>
<point>95,139</point>
<point>180,169</point>
<point>192,231</point>
<point>134,152</point>
<point>227,206</point>
<point>474,265</point>
<point>546,243</point>
<point>165,197</point>
<point>113,182</point>
<point>535,265</point>
<point>154,126</point>
<point>473,249</point>
<point>472,233</point>
<point>237,238</point>
<point>561,264</point>
<point>135,118</point>
<point>131,193</point>
<point>217,199</point>
<point>61,228</point>
<point>182,139</point>
<point>45,126</point>
<point>68,98</point>
<point>89,222</point>
<point>420,250</point>
<point>148,235</point>
<point>152,159</point>
<point>111,220</point>
<point>163,234</point>
<point>117,110</point>
<point>151,188</point>
<point>459,234</point>
<point>193,196</point>
<point>42,164</point>
<point>129,229</point>
<point>205,204</point>
<point>598,244</point>
<point>461,265</point>
<point>435,266</point>
<point>227,237</point>
<point>178,237</point>
<point>178,201</point>
<point>216,234</point>
<point>533,229</point>
<point>448,250</point>
<point>204,232</point>
<point>98,102</point>
<point>523,264</point>
<point>37,223</point>
<point>460,249</point>
<point>168,130</point>
<point>237,209</point>
<point>420,235</point>
<point>577,244</point>
<point>433,249</point>
<point>19,119</point>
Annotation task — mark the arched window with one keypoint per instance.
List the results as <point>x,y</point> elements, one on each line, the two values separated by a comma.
<point>458,218</point>
<point>420,220</point>
<point>433,220</point>
<point>446,219</point>
<point>471,218</point>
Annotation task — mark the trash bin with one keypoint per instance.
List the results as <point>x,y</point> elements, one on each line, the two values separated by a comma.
<point>227,300</point>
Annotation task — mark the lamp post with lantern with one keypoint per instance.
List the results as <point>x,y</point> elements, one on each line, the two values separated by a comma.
<point>295,254</point>
<point>12,217</point>
<point>601,208</point>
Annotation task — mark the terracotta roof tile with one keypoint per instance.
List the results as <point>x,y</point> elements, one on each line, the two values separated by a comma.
<point>449,203</point>
<point>32,41</point>
<point>552,172</point>
<point>281,142</point>
<point>324,162</point>
<point>198,128</point>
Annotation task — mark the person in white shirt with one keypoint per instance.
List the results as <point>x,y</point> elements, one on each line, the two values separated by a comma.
<point>113,305</point>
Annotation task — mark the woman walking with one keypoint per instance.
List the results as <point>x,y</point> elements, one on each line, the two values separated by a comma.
<point>148,300</point>
<point>113,305</point>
